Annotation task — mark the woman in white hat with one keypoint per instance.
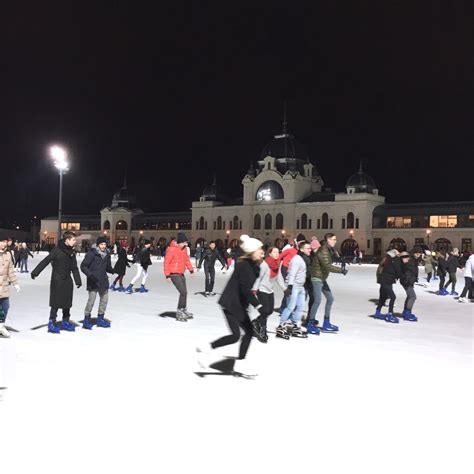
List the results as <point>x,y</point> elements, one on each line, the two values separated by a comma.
<point>236,298</point>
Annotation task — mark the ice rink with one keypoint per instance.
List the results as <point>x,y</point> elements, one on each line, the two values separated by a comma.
<point>376,397</point>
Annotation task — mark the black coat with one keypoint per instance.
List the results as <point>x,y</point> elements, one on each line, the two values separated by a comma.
<point>237,295</point>
<point>442,266</point>
<point>24,253</point>
<point>144,258</point>
<point>122,263</point>
<point>63,262</point>
<point>453,264</point>
<point>96,268</point>
<point>391,270</point>
<point>209,258</point>
<point>409,273</point>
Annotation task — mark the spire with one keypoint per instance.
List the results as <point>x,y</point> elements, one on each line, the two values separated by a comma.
<point>360,167</point>
<point>285,123</point>
<point>125,177</point>
<point>214,182</point>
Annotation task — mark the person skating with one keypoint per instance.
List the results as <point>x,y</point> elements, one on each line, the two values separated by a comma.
<point>434,262</point>
<point>209,257</point>
<point>321,266</point>
<point>120,268</point>
<point>290,319</point>
<point>428,261</point>
<point>408,279</point>
<point>23,254</point>
<point>468,271</point>
<point>391,272</point>
<point>442,271</point>
<point>7,278</point>
<point>235,300</point>
<point>263,289</point>
<point>63,262</point>
<point>142,261</point>
<point>176,262</point>
<point>453,265</point>
<point>288,252</point>
<point>95,266</point>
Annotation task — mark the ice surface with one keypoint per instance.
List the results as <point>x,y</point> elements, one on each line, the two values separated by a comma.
<point>374,398</point>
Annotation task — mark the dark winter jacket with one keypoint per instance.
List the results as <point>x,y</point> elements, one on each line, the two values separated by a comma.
<point>23,253</point>
<point>209,258</point>
<point>409,272</point>
<point>63,262</point>
<point>442,266</point>
<point>237,295</point>
<point>391,270</point>
<point>453,264</point>
<point>322,265</point>
<point>96,267</point>
<point>143,258</point>
<point>122,263</point>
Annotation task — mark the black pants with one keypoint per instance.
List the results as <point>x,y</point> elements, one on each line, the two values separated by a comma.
<point>441,281</point>
<point>210,275</point>
<point>179,281</point>
<point>267,300</point>
<point>452,281</point>
<point>428,276</point>
<point>284,273</point>
<point>386,291</point>
<point>53,314</point>
<point>467,290</point>
<point>308,286</point>
<point>119,279</point>
<point>235,322</point>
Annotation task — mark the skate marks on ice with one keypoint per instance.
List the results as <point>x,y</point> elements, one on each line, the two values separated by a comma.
<point>10,329</point>
<point>225,367</point>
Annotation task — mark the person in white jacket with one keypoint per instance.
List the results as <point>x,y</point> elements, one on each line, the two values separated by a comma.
<point>468,271</point>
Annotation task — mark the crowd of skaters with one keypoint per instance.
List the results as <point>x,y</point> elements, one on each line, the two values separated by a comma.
<point>301,269</point>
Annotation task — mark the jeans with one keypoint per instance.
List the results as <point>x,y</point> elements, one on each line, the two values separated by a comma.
<point>235,322</point>
<point>104,299</point>
<point>179,281</point>
<point>4,307</point>
<point>386,291</point>
<point>210,275</point>
<point>411,297</point>
<point>24,265</point>
<point>320,288</point>
<point>294,305</point>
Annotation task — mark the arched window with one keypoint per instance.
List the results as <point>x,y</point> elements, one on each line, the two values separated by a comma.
<point>257,222</point>
<point>121,225</point>
<point>325,221</point>
<point>304,221</point>
<point>268,221</point>
<point>399,244</point>
<point>442,244</point>
<point>219,223</point>
<point>201,223</point>
<point>350,220</point>
<point>236,222</point>
<point>279,221</point>
<point>269,191</point>
<point>106,225</point>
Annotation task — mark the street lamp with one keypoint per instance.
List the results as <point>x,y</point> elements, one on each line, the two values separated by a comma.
<point>59,155</point>
<point>352,233</point>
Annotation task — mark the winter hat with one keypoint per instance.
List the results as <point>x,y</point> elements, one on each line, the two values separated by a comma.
<point>101,240</point>
<point>181,238</point>
<point>392,253</point>
<point>249,244</point>
<point>315,243</point>
<point>404,255</point>
<point>428,252</point>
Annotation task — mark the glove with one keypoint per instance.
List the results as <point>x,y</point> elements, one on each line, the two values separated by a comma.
<point>78,286</point>
<point>33,276</point>
<point>344,272</point>
<point>288,291</point>
<point>17,288</point>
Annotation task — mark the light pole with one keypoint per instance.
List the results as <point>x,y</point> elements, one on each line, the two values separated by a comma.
<point>227,233</point>
<point>59,155</point>
<point>428,232</point>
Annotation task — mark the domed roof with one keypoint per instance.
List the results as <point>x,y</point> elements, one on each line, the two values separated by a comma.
<point>361,181</point>
<point>123,198</point>
<point>212,192</point>
<point>285,146</point>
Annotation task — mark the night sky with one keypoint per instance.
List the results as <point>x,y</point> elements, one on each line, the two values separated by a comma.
<point>174,94</point>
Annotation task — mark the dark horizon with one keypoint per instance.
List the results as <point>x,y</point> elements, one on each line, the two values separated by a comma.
<point>172,96</point>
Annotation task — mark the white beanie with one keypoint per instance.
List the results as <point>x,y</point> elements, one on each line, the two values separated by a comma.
<point>249,244</point>
<point>427,252</point>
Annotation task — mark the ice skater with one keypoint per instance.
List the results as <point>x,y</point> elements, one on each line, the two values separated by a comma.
<point>468,271</point>
<point>176,262</point>
<point>95,266</point>
<point>63,261</point>
<point>23,254</point>
<point>120,268</point>
<point>428,261</point>
<point>7,278</point>
<point>321,266</point>
<point>442,270</point>
<point>408,279</point>
<point>142,261</point>
<point>453,265</point>
<point>390,272</point>
<point>209,257</point>
<point>235,300</point>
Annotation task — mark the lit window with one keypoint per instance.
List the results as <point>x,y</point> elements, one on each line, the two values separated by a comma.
<point>443,221</point>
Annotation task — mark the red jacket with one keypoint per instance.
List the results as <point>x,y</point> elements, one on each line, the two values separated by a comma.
<point>287,255</point>
<point>177,260</point>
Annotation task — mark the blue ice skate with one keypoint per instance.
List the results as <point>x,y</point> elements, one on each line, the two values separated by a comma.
<point>143,289</point>
<point>129,289</point>
<point>408,315</point>
<point>68,326</point>
<point>87,323</point>
<point>328,327</point>
<point>53,328</point>
<point>312,328</point>
<point>390,318</point>
<point>378,314</point>
<point>102,322</point>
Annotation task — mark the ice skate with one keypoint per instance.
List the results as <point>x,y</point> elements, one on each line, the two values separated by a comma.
<point>390,318</point>
<point>143,289</point>
<point>295,330</point>
<point>328,327</point>
<point>312,328</point>
<point>113,287</point>
<point>454,293</point>
<point>87,323</point>
<point>409,316</point>
<point>258,330</point>
<point>129,289</point>
<point>204,355</point>
<point>67,326</point>
<point>282,333</point>
<point>462,300</point>
<point>102,322</point>
<point>181,316</point>
<point>378,314</point>
<point>3,330</point>
<point>52,328</point>
<point>187,313</point>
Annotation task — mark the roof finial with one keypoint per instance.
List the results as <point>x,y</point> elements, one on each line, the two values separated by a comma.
<point>360,167</point>
<point>284,117</point>
<point>214,182</point>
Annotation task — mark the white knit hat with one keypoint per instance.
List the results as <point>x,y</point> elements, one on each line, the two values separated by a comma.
<point>249,244</point>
